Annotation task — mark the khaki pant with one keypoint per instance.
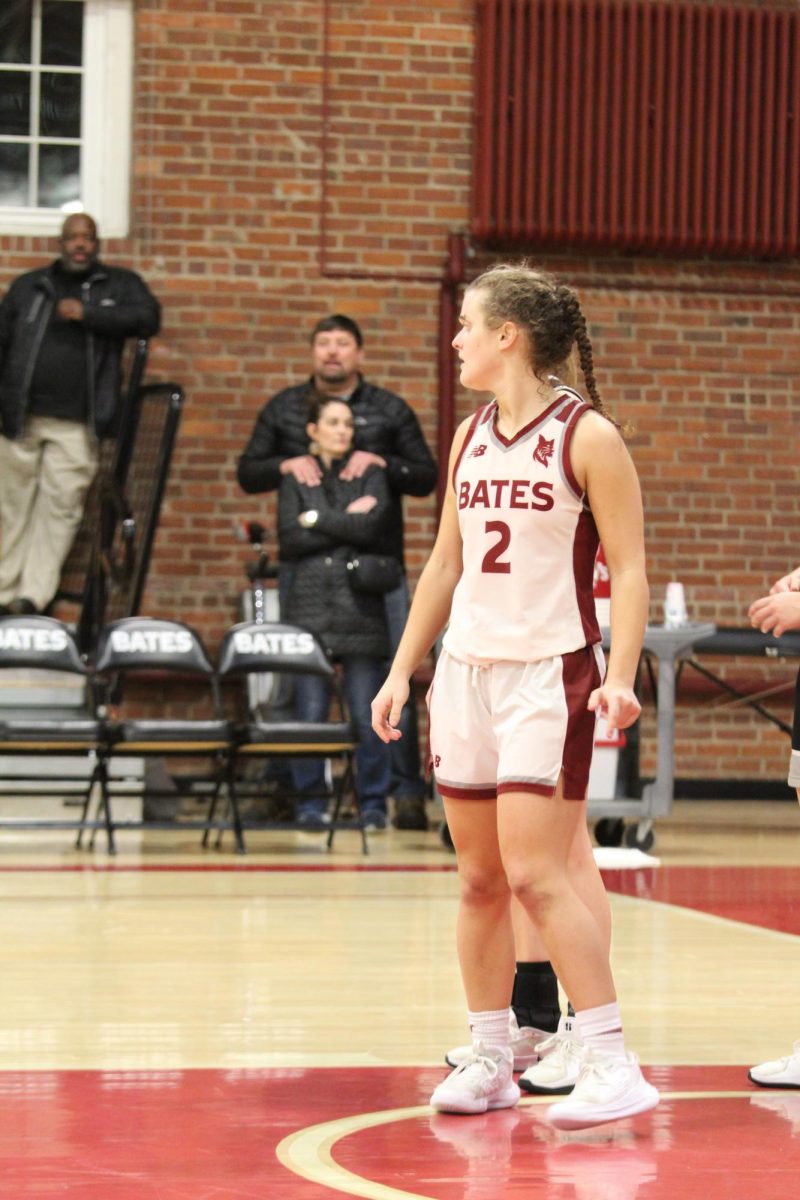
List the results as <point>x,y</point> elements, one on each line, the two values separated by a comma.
<point>44,478</point>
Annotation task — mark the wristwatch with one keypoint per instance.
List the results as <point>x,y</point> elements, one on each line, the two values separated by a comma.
<point>310,517</point>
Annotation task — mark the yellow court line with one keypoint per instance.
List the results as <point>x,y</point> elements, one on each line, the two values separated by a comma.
<point>308,1152</point>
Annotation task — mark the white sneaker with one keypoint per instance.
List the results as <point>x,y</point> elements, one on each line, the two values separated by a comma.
<point>782,1073</point>
<point>607,1089</point>
<point>560,1058</point>
<point>523,1044</point>
<point>484,1081</point>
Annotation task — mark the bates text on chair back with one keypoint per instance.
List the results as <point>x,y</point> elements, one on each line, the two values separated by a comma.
<point>38,641</point>
<point>272,646</point>
<point>150,643</point>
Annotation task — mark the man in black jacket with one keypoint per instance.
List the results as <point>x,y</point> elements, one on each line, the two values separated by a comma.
<point>386,433</point>
<point>62,330</point>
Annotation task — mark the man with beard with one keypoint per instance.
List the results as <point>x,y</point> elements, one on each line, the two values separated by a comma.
<point>62,330</point>
<point>386,434</point>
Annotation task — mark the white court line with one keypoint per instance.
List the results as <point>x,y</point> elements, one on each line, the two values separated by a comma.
<point>706,917</point>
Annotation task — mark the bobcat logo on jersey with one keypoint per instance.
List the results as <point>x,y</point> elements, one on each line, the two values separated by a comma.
<point>477,451</point>
<point>544,451</point>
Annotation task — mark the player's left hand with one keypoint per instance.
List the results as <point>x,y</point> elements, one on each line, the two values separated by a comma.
<point>617,703</point>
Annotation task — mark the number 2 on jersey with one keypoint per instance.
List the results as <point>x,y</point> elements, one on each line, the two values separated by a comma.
<point>492,563</point>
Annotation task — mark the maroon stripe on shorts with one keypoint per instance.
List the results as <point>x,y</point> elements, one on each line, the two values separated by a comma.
<point>465,793</point>
<point>580,676</point>
<point>537,789</point>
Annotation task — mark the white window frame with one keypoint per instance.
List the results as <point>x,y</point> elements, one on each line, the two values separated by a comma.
<point>106,115</point>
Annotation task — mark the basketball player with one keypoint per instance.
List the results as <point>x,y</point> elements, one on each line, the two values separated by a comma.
<point>777,613</point>
<point>536,476</point>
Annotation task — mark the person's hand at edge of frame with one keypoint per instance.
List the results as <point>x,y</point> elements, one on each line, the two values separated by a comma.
<point>776,613</point>
<point>787,583</point>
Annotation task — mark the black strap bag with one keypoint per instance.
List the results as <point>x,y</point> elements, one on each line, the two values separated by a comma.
<point>374,573</point>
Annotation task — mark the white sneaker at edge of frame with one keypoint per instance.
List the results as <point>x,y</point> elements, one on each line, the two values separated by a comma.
<point>779,1073</point>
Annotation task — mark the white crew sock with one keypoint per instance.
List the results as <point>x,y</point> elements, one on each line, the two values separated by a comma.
<point>601,1029</point>
<point>492,1028</point>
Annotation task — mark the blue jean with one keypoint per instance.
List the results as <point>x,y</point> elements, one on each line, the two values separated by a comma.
<point>406,779</point>
<point>363,677</point>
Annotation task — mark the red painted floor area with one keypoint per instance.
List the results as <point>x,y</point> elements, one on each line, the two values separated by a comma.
<point>212,1135</point>
<point>765,896</point>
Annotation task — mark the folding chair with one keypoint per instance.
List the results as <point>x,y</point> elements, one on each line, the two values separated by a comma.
<point>35,645</point>
<point>255,647</point>
<point>170,653</point>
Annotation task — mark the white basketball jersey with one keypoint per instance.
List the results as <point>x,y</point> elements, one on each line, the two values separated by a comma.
<point>529,541</point>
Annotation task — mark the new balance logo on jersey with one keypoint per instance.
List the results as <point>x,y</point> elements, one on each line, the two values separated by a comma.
<point>544,451</point>
<point>477,451</point>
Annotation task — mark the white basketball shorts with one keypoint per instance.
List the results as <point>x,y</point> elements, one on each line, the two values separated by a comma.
<point>513,727</point>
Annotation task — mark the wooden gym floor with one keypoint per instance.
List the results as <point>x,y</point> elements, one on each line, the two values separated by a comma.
<point>180,1025</point>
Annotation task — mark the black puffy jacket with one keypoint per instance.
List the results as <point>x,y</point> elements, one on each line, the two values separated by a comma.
<point>117,305</point>
<point>320,597</point>
<point>382,423</point>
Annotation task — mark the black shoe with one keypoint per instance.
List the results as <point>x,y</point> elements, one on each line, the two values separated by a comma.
<point>374,819</point>
<point>21,606</point>
<point>312,822</point>
<point>409,813</point>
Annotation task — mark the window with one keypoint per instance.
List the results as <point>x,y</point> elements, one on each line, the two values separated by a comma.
<point>65,113</point>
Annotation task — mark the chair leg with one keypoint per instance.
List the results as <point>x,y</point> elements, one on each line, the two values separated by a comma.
<point>233,802</point>
<point>104,807</point>
<point>212,808</point>
<point>87,800</point>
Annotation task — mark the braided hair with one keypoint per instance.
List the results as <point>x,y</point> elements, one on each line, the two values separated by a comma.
<point>550,314</point>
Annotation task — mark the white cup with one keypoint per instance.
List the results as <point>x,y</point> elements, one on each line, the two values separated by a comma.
<point>675,614</point>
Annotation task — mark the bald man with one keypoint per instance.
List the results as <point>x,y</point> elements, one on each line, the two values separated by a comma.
<point>62,330</point>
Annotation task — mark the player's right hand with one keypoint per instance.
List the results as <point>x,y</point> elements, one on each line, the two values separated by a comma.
<point>387,707</point>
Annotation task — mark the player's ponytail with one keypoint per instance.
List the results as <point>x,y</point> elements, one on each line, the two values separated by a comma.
<point>550,314</point>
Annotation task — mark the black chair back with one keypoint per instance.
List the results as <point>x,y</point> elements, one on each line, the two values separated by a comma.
<point>151,644</point>
<point>33,731</point>
<point>39,642</point>
<point>272,646</point>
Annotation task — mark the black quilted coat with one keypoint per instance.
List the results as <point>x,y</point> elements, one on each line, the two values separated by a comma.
<point>382,423</point>
<point>321,597</point>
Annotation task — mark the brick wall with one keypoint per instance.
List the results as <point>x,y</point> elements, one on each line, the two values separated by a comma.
<point>280,174</point>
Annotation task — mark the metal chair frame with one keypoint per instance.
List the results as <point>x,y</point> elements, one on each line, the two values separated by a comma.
<point>254,647</point>
<point>40,643</point>
<point>170,650</point>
